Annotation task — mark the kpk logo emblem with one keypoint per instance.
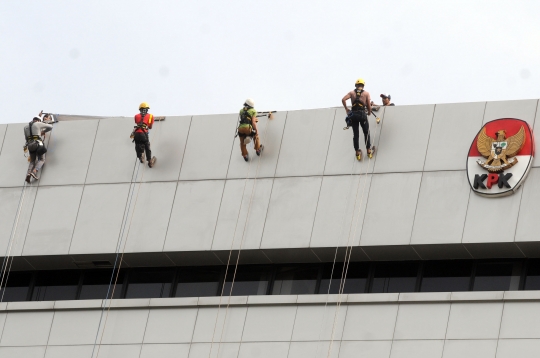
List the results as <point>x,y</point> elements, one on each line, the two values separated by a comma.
<point>500,157</point>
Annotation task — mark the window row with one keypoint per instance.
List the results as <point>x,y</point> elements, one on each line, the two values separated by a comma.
<point>361,277</point>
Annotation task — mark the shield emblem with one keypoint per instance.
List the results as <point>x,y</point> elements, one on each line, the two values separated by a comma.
<point>498,148</point>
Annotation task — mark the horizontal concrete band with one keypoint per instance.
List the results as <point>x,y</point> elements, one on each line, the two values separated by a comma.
<point>370,298</point>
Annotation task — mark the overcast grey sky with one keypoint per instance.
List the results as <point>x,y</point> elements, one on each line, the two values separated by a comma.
<point>202,57</point>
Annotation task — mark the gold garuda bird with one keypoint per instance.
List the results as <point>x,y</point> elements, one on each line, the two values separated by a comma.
<point>500,152</point>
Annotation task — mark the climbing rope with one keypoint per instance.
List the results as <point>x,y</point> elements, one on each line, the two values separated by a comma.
<point>8,258</point>
<point>263,137</point>
<point>349,247</point>
<point>120,257</point>
<point>6,262</point>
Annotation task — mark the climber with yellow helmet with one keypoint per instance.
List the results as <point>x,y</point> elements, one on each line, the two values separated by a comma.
<point>144,122</point>
<point>357,116</point>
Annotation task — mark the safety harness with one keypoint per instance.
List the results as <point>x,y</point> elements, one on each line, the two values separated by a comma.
<point>33,142</point>
<point>357,105</point>
<point>245,118</point>
<point>142,126</point>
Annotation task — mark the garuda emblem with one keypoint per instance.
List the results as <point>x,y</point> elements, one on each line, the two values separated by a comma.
<point>500,152</point>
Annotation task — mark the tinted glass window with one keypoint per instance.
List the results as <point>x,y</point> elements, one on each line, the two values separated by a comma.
<point>198,282</point>
<point>17,286</point>
<point>355,282</point>
<point>249,280</point>
<point>96,284</point>
<point>149,283</point>
<point>497,276</point>
<point>532,282</point>
<point>395,277</point>
<point>446,276</point>
<point>56,285</point>
<point>295,280</point>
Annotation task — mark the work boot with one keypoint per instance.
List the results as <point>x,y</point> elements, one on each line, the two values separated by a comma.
<point>34,175</point>
<point>28,176</point>
<point>246,158</point>
<point>142,159</point>
<point>260,150</point>
<point>359,154</point>
<point>152,162</point>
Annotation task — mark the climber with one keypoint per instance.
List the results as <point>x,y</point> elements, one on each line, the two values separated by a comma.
<point>361,101</point>
<point>247,129</point>
<point>144,122</point>
<point>33,133</point>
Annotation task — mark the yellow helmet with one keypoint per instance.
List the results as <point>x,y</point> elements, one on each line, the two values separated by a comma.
<point>360,81</point>
<point>144,105</point>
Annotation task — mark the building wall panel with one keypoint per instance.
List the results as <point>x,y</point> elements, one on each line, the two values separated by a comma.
<point>113,156</point>
<point>53,220</point>
<point>453,129</point>
<point>404,138</point>
<point>291,212</point>
<point>305,142</point>
<point>69,151</point>
<point>208,148</point>
<point>194,215</point>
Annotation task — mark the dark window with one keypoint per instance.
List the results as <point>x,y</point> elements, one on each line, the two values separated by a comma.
<point>295,280</point>
<point>249,280</point>
<point>56,285</point>
<point>356,278</point>
<point>17,286</point>
<point>198,281</point>
<point>150,283</point>
<point>532,282</point>
<point>96,284</point>
<point>446,276</point>
<point>497,276</point>
<point>395,277</point>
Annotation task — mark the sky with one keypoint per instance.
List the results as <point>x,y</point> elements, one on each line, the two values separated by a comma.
<point>206,57</point>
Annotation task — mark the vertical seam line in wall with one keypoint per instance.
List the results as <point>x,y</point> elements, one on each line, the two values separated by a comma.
<point>322,179</point>
<point>500,327</point>
<point>447,324</point>
<point>429,136</point>
<point>92,154</point>
<point>465,224</point>
<point>421,178</point>
<point>272,187</point>
<point>184,151</point>
<point>219,209</point>
<point>50,330</point>
<point>329,141</point>
<point>292,330</point>
<point>517,221</point>
<point>193,332</point>
<point>4,325</point>
<point>4,139</point>
<point>342,329</point>
<point>176,189</point>
<point>470,191</point>
<point>379,138</point>
<point>395,325</point>
<point>144,334</point>
<point>231,153</point>
<point>281,142</point>
<point>29,221</point>
<point>84,187</point>
<point>170,216</point>
<point>365,212</point>
<point>243,329</point>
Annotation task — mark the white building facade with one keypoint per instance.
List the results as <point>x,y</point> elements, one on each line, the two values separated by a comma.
<point>433,269</point>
